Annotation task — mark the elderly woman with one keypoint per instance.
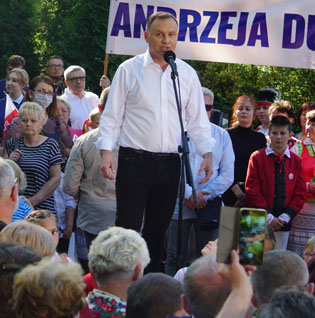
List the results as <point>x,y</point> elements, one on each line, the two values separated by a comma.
<point>41,91</point>
<point>245,141</point>
<point>303,224</point>
<point>301,116</point>
<point>64,110</point>
<point>38,156</point>
<point>48,290</point>
<point>117,257</point>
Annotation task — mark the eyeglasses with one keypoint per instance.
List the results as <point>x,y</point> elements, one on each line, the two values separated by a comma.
<point>55,66</point>
<point>208,107</point>
<point>76,79</point>
<point>41,91</point>
<point>14,184</point>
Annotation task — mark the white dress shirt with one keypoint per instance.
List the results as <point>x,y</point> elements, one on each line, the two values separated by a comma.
<point>80,107</point>
<point>223,170</point>
<point>141,108</point>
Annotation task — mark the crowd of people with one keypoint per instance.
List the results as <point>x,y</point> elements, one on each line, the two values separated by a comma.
<point>82,238</point>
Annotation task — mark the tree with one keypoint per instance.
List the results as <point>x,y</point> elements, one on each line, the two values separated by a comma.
<point>77,31</point>
<point>17,24</point>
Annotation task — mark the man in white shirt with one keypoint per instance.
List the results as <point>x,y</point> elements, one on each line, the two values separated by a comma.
<point>81,102</point>
<point>141,111</point>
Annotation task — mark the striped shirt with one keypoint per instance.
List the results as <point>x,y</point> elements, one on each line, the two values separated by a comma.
<point>22,211</point>
<point>35,163</point>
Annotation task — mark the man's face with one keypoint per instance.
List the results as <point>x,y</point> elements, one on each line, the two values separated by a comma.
<point>76,82</point>
<point>161,37</point>
<point>55,68</point>
<point>279,137</point>
<point>208,104</point>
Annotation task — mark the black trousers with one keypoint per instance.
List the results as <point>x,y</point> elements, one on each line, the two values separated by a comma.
<point>146,191</point>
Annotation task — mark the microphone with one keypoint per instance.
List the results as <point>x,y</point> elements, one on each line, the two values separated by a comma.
<point>170,57</point>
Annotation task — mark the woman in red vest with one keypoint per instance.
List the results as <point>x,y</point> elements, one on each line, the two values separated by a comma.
<point>303,225</point>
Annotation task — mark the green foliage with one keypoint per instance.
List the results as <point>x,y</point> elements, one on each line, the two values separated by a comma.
<point>228,81</point>
<point>77,30</point>
<point>17,29</point>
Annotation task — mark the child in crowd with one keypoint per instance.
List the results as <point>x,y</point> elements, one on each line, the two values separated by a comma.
<point>309,251</point>
<point>47,220</point>
<point>309,258</point>
<point>93,121</point>
<point>276,182</point>
<point>266,97</point>
<point>285,108</point>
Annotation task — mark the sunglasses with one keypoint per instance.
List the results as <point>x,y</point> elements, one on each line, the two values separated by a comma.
<point>208,107</point>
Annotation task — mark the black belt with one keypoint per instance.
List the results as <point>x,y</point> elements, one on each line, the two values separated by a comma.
<point>146,154</point>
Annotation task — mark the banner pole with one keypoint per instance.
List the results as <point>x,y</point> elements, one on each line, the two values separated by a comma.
<point>106,63</point>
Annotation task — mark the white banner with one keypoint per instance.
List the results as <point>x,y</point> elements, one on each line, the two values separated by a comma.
<point>268,32</point>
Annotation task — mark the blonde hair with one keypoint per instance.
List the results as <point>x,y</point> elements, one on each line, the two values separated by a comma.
<point>310,244</point>
<point>33,109</point>
<point>49,290</point>
<point>94,113</point>
<point>35,236</point>
<point>281,106</point>
<point>21,75</point>
<point>37,216</point>
<point>19,174</point>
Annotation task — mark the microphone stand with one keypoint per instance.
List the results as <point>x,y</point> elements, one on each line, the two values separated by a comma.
<point>185,167</point>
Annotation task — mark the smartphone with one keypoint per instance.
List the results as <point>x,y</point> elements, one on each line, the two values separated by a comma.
<point>252,234</point>
<point>228,233</point>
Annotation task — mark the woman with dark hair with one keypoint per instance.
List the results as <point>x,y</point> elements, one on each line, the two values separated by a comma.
<point>41,91</point>
<point>301,116</point>
<point>245,141</point>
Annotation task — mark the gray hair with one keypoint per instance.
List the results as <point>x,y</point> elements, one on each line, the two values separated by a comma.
<point>63,100</point>
<point>290,303</point>
<point>155,295</point>
<point>205,289</point>
<point>32,109</point>
<point>280,268</point>
<point>19,174</point>
<point>6,178</point>
<point>71,69</point>
<point>116,252</point>
<point>207,91</point>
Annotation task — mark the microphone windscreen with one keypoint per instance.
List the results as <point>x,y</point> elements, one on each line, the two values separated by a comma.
<point>169,55</point>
